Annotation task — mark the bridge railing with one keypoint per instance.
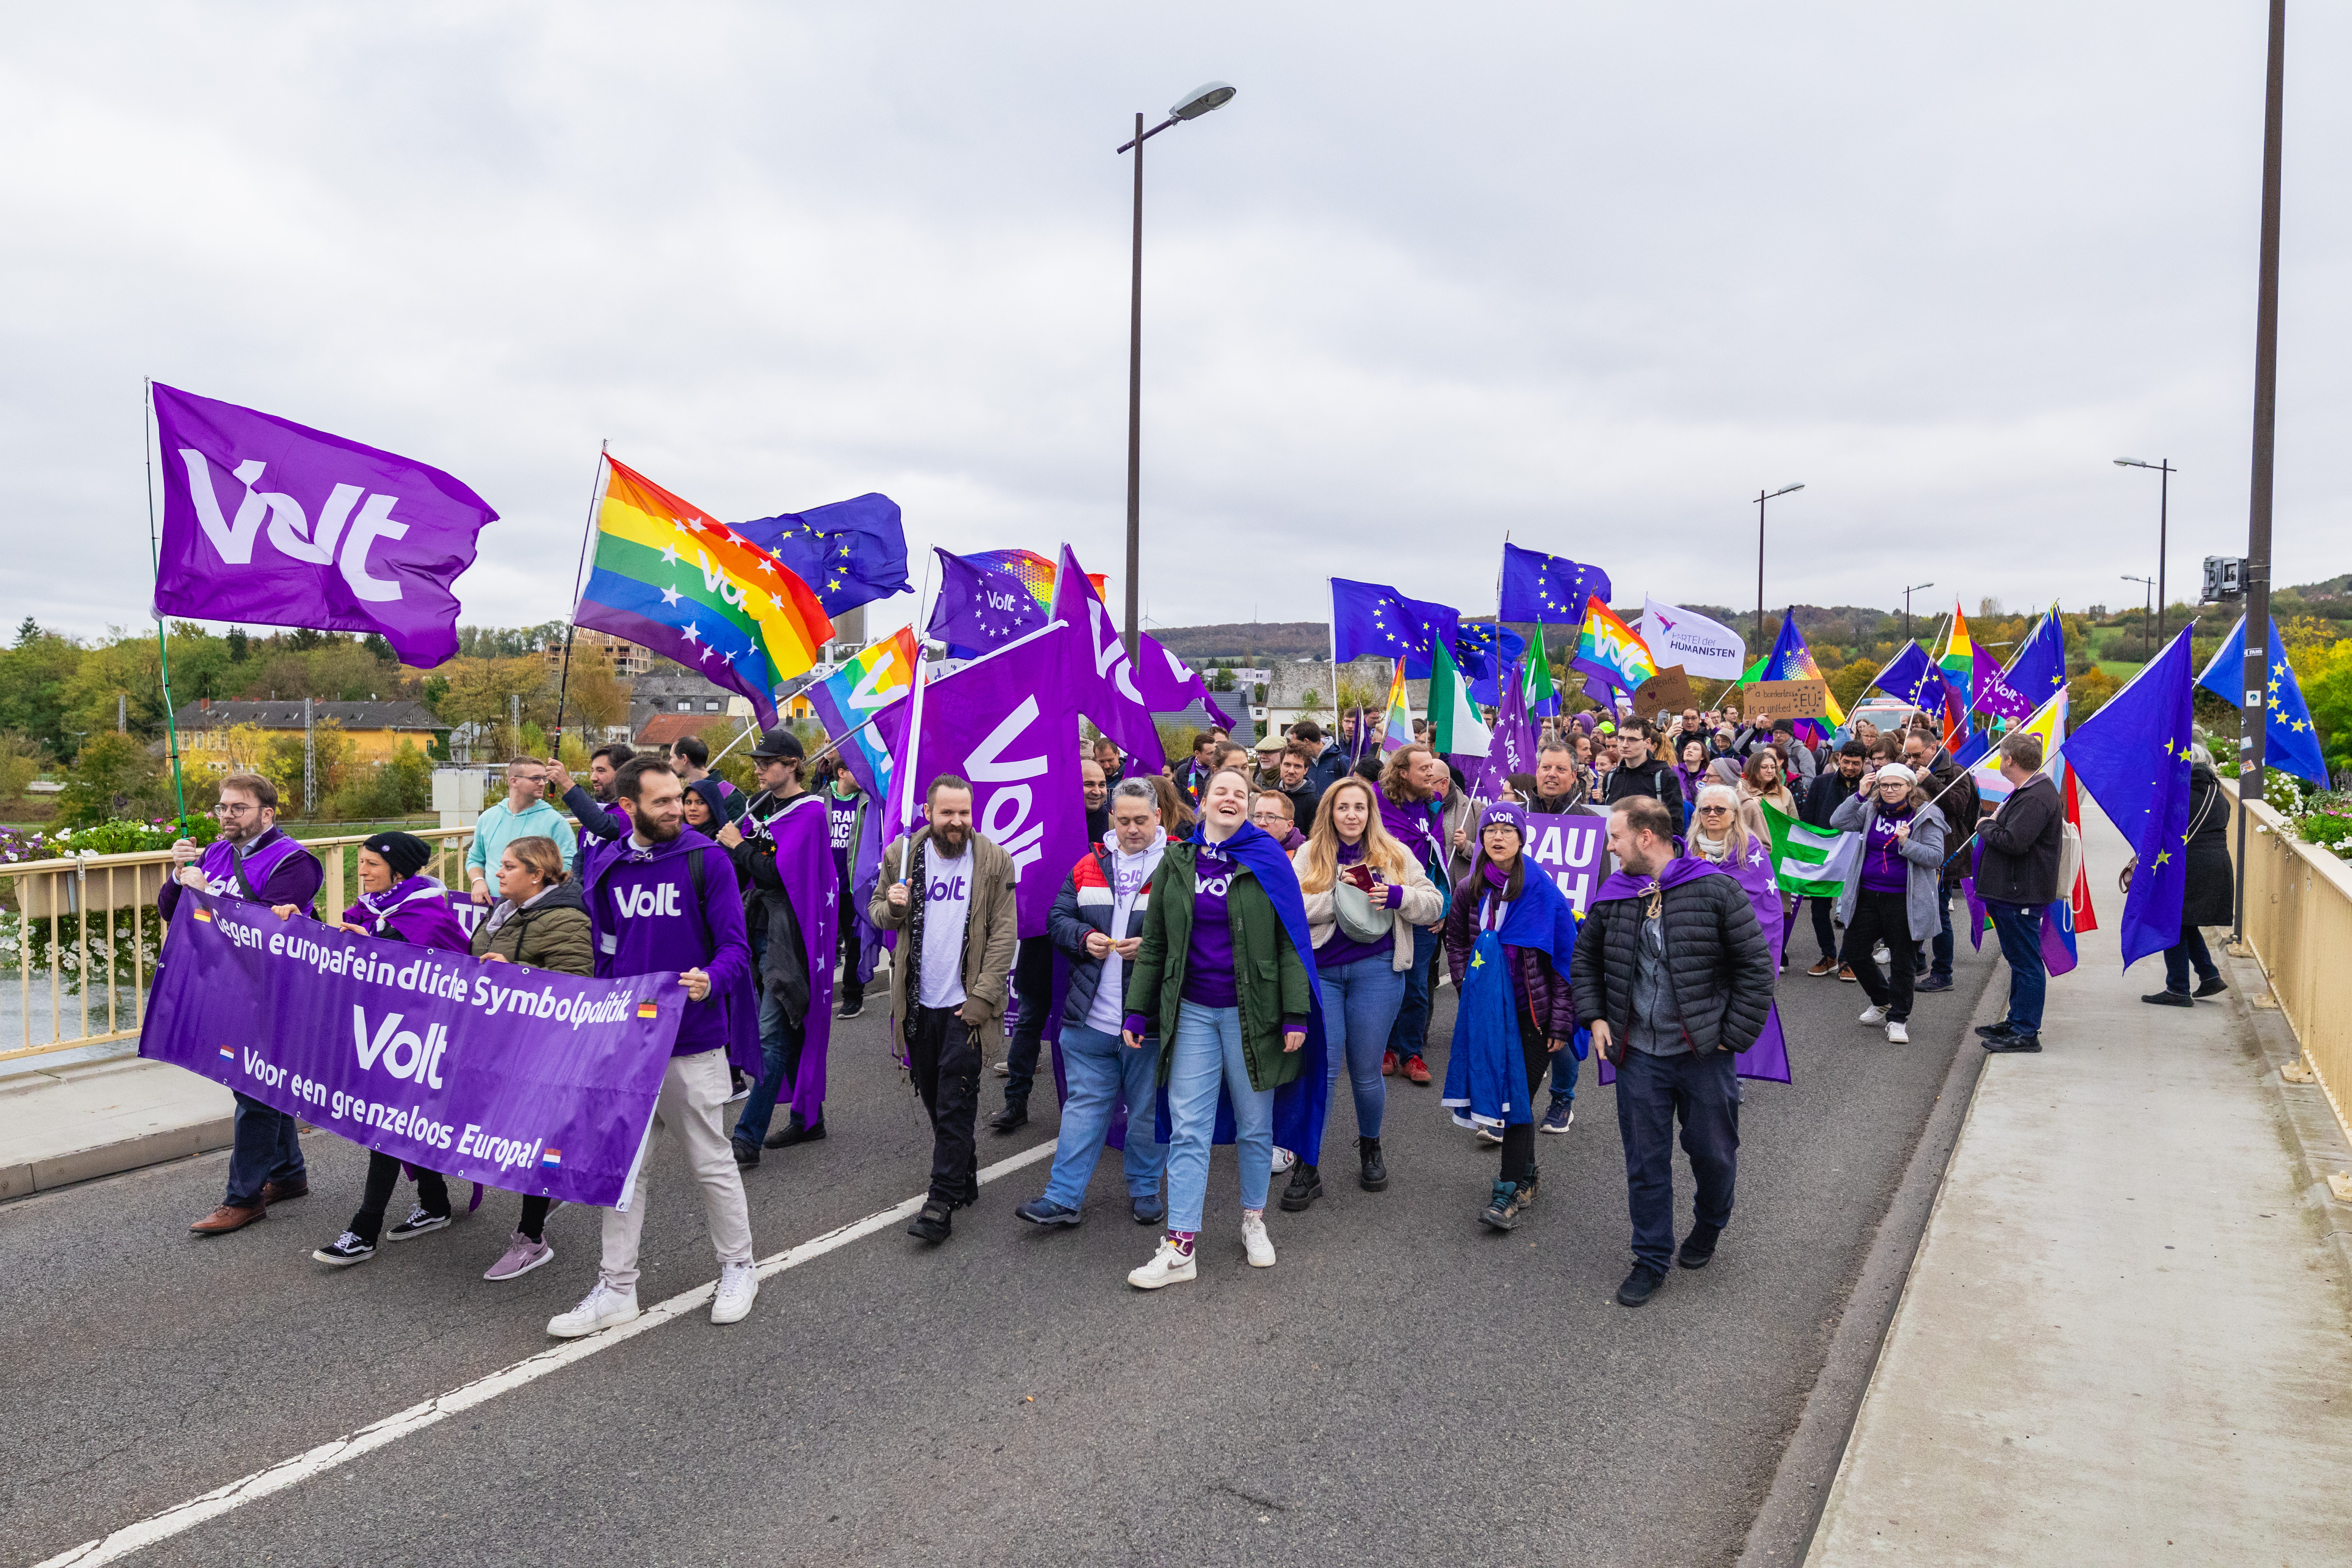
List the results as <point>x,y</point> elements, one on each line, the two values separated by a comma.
<point>78,940</point>
<point>2299,924</point>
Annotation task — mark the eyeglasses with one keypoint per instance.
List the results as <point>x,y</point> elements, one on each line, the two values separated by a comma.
<point>1714,810</point>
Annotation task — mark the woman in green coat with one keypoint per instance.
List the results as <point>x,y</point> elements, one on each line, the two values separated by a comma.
<point>539,922</point>
<point>1233,999</point>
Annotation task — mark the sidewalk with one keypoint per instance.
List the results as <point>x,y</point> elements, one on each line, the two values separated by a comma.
<point>2127,1334</point>
<point>70,1123</point>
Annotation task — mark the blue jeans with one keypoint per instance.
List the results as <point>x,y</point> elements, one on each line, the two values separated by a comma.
<point>780,1059</point>
<point>264,1147</point>
<point>1410,1035</point>
<point>2182,954</point>
<point>1101,1069</point>
<point>1360,1006</point>
<point>2020,929</point>
<point>1564,1067</point>
<point>1703,1090</point>
<point>1939,948</point>
<point>1208,1054</point>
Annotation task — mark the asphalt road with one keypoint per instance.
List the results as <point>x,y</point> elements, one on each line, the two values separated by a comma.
<point>1404,1387</point>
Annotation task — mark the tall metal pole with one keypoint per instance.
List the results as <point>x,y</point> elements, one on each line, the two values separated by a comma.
<point>1760,498</point>
<point>2254,714</point>
<point>2163,509</point>
<point>1135,415</point>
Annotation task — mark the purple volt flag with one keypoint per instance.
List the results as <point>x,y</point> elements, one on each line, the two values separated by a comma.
<point>804,840</point>
<point>1513,748</point>
<point>519,1078</point>
<point>275,523</point>
<point>980,607</point>
<point>1105,679</point>
<point>1006,724</point>
<point>1169,685</point>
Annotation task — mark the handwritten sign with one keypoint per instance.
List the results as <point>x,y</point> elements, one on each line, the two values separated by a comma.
<point>1770,699</point>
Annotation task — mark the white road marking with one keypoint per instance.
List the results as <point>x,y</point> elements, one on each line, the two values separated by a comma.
<point>326,1457</point>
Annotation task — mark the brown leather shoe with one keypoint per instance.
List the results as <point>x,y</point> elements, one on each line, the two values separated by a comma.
<point>228,1218</point>
<point>283,1191</point>
<point>1417,1069</point>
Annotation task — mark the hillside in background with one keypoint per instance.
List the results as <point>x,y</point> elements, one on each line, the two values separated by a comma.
<point>1242,639</point>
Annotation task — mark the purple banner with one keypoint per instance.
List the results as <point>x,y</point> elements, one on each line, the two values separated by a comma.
<point>518,1078</point>
<point>1106,680</point>
<point>271,523</point>
<point>1006,725</point>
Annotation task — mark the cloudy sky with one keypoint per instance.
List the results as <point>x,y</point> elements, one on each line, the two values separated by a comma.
<point>1591,274</point>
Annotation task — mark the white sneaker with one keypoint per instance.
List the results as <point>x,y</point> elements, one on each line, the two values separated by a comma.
<point>604,1307</point>
<point>1878,954</point>
<point>1874,1015</point>
<point>1897,1033</point>
<point>1283,1159</point>
<point>738,1287</point>
<point>1168,1267</point>
<point>1487,1136</point>
<point>1255,1242</point>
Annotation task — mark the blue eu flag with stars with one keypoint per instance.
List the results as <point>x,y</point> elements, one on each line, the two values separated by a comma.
<point>979,608</point>
<point>2040,667</point>
<point>1368,618</point>
<point>850,553</point>
<point>2133,756</point>
<point>2290,740</point>
<point>1548,589</point>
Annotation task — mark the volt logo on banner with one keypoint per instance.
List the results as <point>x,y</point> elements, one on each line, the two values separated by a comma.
<point>359,1035</point>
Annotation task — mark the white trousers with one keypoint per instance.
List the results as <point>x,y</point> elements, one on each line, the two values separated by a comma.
<point>693,1103</point>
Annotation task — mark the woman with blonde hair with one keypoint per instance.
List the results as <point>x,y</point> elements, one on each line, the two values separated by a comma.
<point>1175,811</point>
<point>1723,825</point>
<point>1359,885</point>
<point>1767,779</point>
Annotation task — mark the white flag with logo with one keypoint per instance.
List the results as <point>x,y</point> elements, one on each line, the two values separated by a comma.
<point>1702,647</point>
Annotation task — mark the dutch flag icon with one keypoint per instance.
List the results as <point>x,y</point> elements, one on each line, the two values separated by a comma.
<point>552,1158</point>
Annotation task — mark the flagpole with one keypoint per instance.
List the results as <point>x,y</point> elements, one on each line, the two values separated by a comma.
<point>1333,585</point>
<point>155,566</point>
<point>571,625</point>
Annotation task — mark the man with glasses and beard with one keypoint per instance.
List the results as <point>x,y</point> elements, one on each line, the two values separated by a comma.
<point>252,859</point>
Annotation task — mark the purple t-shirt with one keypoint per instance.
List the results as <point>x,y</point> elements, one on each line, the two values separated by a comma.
<point>1208,966</point>
<point>1883,869</point>
<point>1342,949</point>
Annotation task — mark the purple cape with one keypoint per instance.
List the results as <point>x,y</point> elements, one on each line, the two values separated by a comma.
<point>805,861</point>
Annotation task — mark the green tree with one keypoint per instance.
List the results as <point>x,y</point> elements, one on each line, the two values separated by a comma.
<point>113,776</point>
<point>34,676</point>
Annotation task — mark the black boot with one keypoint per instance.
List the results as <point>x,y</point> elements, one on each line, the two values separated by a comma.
<point>1375,1178</point>
<point>1306,1186</point>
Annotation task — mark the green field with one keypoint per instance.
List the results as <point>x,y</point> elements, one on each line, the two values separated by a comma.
<point>2121,669</point>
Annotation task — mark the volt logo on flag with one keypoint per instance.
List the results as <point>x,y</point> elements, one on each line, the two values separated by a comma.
<point>337,556</point>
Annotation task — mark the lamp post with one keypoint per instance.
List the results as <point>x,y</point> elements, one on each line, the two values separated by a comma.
<point>2150,585</point>
<point>1906,607</point>
<point>1195,104</point>
<point>2164,472</point>
<point>1761,497</point>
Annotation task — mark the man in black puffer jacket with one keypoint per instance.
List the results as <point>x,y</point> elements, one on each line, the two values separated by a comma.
<point>1674,977</point>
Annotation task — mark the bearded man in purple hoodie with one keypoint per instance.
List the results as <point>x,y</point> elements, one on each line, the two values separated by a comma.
<point>1674,977</point>
<point>666,897</point>
<point>254,859</point>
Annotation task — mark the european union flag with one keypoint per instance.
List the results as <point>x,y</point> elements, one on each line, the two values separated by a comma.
<point>1481,650</point>
<point>851,552</point>
<point>2133,756</point>
<point>1369,619</point>
<point>979,608</point>
<point>2040,667</point>
<point>1548,589</point>
<point>1912,677</point>
<point>2290,740</point>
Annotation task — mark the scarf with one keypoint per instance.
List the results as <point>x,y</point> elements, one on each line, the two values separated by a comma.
<point>508,909</point>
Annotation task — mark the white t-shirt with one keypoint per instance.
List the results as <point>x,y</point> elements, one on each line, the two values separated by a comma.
<point>947,907</point>
<point>1128,875</point>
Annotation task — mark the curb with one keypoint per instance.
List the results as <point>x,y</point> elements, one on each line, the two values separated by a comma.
<point>1783,1530</point>
<point>2314,1137</point>
<point>165,1139</point>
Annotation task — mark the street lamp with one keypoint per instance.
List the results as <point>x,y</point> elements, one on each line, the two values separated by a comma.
<point>1195,104</point>
<point>1761,497</point>
<point>2164,471</point>
<point>1906,607</point>
<point>2150,586</point>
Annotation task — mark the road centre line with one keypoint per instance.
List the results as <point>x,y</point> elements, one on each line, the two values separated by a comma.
<point>318,1461</point>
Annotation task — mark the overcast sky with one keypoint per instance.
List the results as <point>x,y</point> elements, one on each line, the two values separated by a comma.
<point>1590,274</point>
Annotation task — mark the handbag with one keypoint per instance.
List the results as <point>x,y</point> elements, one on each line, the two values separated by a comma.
<point>1360,919</point>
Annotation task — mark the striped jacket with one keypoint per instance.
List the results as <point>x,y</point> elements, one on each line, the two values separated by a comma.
<point>1084,905</point>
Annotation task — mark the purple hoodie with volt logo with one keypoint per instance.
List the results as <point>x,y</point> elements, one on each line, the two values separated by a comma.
<point>648,920</point>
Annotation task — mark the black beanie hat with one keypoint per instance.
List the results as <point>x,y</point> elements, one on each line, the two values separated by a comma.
<point>404,852</point>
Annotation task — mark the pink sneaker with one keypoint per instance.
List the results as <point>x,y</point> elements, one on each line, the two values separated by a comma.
<point>522,1256</point>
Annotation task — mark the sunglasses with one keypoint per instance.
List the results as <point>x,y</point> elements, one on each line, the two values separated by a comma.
<point>1714,810</point>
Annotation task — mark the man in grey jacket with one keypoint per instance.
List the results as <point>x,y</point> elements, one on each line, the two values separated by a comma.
<point>2017,877</point>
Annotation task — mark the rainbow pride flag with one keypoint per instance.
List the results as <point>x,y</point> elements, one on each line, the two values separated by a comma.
<point>1396,725</point>
<point>850,697</point>
<point>1792,659</point>
<point>669,578</point>
<point>1959,659</point>
<point>1611,652</point>
<point>1033,572</point>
